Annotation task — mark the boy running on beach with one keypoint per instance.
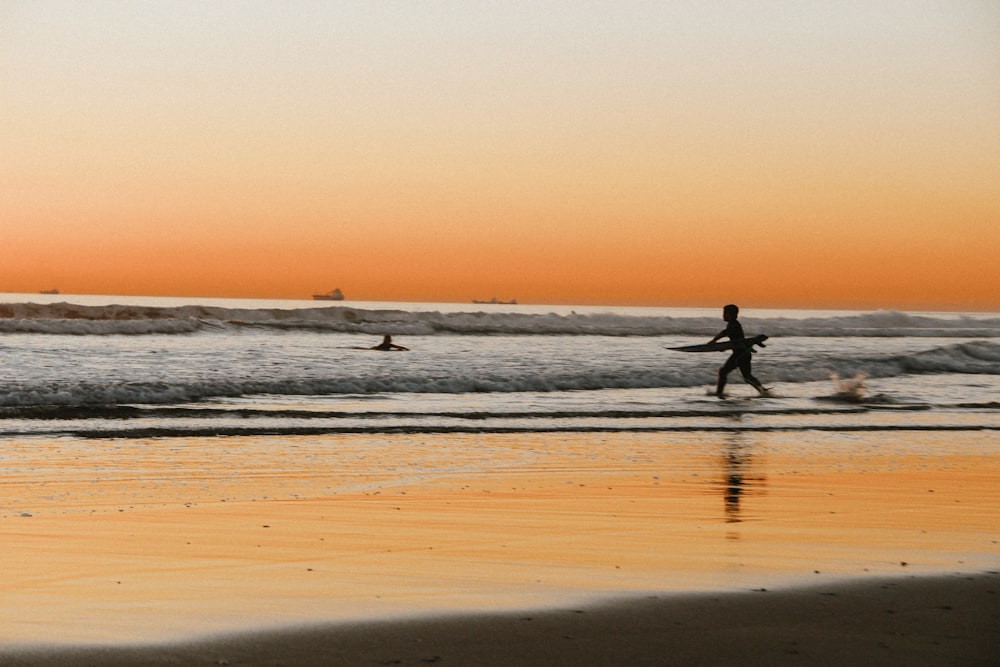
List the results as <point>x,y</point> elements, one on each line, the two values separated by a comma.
<point>741,357</point>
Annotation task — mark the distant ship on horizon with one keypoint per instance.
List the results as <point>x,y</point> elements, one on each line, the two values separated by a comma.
<point>49,291</point>
<point>496,301</point>
<point>333,295</point>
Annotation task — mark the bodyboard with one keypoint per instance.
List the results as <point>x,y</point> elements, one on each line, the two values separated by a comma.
<point>721,345</point>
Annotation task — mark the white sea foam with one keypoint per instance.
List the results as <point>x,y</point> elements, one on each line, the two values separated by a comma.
<point>981,357</point>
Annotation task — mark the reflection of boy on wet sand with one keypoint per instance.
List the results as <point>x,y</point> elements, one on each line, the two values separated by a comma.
<point>741,357</point>
<point>387,345</point>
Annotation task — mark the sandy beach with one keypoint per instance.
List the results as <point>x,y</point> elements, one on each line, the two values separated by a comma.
<point>620,548</point>
<point>901,621</point>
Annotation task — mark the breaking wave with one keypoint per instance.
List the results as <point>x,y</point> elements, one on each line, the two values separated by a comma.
<point>980,357</point>
<point>71,319</point>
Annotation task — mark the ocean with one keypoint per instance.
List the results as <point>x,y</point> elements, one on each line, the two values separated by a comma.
<point>175,467</point>
<point>106,367</point>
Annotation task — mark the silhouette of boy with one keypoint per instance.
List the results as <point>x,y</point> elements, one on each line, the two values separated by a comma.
<point>741,357</point>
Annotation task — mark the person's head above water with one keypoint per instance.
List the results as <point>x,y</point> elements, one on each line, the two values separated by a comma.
<point>730,312</point>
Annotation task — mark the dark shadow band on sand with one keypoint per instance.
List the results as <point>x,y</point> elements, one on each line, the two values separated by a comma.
<point>948,620</point>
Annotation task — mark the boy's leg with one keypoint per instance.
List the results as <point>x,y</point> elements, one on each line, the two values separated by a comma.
<point>746,371</point>
<point>725,370</point>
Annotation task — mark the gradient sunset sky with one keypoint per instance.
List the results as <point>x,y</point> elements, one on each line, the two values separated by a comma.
<point>778,153</point>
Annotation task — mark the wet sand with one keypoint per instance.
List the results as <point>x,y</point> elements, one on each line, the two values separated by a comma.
<point>163,547</point>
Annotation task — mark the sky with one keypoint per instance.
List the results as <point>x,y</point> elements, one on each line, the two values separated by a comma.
<point>786,153</point>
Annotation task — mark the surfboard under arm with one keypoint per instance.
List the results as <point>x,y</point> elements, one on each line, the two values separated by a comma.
<point>721,345</point>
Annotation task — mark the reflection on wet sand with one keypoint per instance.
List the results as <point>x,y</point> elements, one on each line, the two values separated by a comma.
<point>739,479</point>
<point>159,538</point>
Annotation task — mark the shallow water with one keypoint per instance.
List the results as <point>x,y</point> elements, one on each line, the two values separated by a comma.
<point>97,370</point>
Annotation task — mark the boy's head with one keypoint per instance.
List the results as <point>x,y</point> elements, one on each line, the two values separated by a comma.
<point>730,312</point>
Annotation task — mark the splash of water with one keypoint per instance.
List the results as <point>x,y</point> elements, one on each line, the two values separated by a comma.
<point>852,389</point>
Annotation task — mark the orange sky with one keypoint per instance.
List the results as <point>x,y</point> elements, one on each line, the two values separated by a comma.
<point>585,152</point>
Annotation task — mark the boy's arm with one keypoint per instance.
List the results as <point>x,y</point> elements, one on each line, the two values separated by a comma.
<point>721,334</point>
